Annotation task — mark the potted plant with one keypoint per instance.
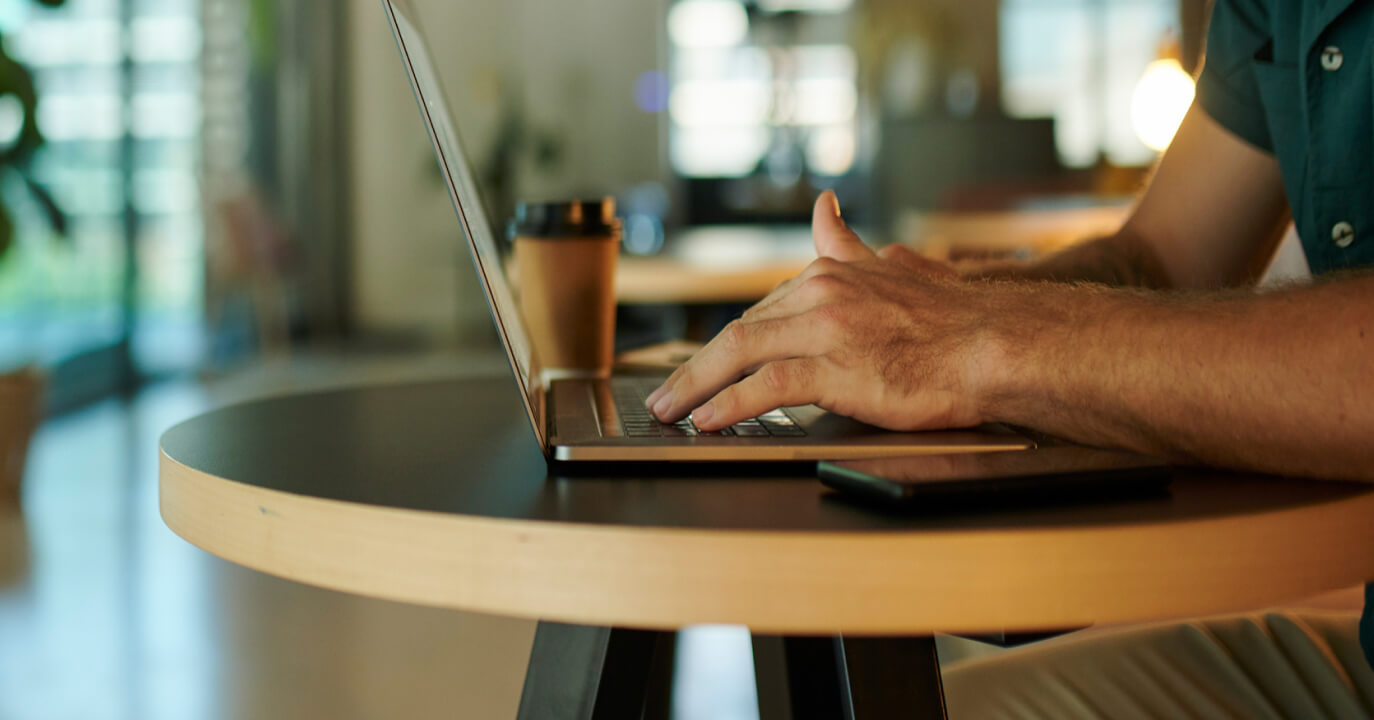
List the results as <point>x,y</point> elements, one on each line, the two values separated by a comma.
<point>21,389</point>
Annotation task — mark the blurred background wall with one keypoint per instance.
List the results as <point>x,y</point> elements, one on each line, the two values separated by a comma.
<point>540,91</point>
<point>240,179</point>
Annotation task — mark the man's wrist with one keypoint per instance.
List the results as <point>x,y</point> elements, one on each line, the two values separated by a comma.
<point>1025,331</point>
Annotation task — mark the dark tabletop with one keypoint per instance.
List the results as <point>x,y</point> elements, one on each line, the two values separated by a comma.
<point>465,446</point>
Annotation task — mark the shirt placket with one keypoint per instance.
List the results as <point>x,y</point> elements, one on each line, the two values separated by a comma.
<point>1337,86</point>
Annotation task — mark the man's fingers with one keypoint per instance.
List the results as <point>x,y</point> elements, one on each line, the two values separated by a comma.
<point>763,307</point>
<point>796,381</point>
<point>738,350</point>
<point>915,262</point>
<point>832,237</point>
<point>819,282</point>
<point>835,243</point>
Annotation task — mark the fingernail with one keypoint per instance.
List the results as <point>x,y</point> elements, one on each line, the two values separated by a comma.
<point>664,404</point>
<point>835,200</point>
<point>702,415</point>
<point>653,397</point>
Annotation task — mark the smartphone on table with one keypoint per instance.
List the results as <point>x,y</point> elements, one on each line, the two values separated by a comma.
<point>1046,474</point>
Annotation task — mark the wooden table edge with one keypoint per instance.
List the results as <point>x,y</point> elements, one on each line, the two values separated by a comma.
<point>777,582</point>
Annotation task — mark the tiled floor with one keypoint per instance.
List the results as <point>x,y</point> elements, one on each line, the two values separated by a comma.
<point>105,614</point>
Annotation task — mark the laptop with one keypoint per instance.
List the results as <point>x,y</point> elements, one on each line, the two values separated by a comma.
<point>604,419</point>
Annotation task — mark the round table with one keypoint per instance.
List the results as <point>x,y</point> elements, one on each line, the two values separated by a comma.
<point>437,494</point>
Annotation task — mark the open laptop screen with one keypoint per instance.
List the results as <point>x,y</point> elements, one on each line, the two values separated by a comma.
<point>468,204</point>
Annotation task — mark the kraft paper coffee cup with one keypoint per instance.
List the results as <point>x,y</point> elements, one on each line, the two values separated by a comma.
<point>565,255</point>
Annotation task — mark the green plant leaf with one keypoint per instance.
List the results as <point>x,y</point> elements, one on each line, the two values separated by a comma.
<point>16,80</point>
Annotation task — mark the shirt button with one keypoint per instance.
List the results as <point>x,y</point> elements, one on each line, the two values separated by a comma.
<point>1342,233</point>
<point>1332,58</point>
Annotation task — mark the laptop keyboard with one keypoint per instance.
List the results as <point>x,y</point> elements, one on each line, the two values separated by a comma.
<point>629,394</point>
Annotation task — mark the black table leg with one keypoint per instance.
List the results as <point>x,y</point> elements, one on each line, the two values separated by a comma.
<point>889,676</point>
<point>855,678</point>
<point>770,678</point>
<point>590,673</point>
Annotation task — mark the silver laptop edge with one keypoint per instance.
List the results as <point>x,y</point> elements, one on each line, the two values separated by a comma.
<point>463,191</point>
<point>576,436</point>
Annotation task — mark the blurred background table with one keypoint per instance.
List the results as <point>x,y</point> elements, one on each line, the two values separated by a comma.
<point>742,264</point>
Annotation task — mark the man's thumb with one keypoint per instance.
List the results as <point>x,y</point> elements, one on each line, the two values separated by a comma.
<point>833,238</point>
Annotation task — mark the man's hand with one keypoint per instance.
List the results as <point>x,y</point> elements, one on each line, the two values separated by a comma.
<point>836,241</point>
<point>892,339</point>
<point>1278,382</point>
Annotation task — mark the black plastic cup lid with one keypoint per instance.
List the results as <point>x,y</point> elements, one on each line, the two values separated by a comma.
<point>577,218</point>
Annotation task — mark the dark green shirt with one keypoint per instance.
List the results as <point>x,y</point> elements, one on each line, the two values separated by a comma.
<point>1295,79</point>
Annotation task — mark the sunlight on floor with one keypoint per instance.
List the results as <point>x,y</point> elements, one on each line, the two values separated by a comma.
<point>714,677</point>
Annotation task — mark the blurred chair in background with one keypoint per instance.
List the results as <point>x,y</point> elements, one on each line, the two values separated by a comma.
<point>20,395</point>
<point>253,263</point>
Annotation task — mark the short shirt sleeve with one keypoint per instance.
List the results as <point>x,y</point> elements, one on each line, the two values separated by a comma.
<point>1227,89</point>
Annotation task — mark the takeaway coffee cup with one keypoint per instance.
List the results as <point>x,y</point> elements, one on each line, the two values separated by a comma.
<point>565,255</point>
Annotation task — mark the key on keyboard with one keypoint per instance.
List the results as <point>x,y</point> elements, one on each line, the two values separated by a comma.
<point>629,395</point>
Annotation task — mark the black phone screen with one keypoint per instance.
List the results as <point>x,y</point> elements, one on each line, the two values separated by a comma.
<point>995,475</point>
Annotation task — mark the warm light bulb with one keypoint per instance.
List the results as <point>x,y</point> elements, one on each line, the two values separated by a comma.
<point>1161,99</point>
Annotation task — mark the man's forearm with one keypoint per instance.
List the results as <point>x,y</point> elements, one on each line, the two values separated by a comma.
<point>1210,217</point>
<point>1279,382</point>
<point>1122,260</point>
